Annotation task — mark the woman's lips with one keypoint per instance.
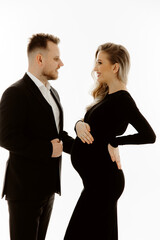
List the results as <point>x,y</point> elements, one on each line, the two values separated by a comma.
<point>98,74</point>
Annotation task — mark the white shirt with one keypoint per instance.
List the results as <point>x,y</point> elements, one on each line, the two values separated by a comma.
<point>45,90</point>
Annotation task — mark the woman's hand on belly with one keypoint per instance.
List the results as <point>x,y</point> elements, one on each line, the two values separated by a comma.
<point>83,132</point>
<point>114,154</point>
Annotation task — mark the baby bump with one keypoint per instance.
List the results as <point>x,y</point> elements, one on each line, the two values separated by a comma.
<point>85,155</point>
<point>118,184</point>
<point>96,168</point>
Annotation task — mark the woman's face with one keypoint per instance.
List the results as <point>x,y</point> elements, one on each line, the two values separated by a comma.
<point>104,68</point>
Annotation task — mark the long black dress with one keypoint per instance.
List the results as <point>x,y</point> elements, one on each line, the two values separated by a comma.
<point>95,215</point>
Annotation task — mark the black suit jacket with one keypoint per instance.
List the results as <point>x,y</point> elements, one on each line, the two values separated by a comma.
<point>27,126</point>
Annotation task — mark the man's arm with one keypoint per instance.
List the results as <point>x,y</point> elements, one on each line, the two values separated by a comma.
<point>67,142</point>
<point>13,117</point>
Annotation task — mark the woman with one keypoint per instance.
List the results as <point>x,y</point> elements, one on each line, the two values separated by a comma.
<point>95,215</point>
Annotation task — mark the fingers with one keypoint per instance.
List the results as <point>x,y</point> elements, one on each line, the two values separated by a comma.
<point>117,160</point>
<point>88,127</point>
<point>119,164</point>
<point>86,137</point>
<point>114,154</point>
<point>57,147</point>
<point>83,132</point>
<point>56,140</point>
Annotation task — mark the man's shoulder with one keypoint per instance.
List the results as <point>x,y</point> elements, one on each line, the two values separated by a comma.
<point>19,84</point>
<point>17,88</point>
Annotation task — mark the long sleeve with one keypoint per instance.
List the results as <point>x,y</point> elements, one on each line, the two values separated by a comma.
<point>13,119</point>
<point>66,139</point>
<point>132,115</point>
<point>67,142</point>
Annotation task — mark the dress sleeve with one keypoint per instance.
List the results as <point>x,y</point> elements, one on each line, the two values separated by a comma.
<point>132,115</point>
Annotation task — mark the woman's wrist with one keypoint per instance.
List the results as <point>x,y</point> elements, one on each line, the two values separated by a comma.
<point>113,143</point>
<point>81,120</point>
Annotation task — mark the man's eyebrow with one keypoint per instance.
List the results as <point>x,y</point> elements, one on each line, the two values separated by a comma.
<point>56,57</point>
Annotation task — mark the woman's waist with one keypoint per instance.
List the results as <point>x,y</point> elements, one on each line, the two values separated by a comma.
<point>97,142</point>
<point>91,152</point>
<point>97,145</point>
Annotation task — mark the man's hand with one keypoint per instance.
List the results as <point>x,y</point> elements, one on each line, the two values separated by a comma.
<point>83,132</point>
<point>114,154</point>
<point>57,147</point>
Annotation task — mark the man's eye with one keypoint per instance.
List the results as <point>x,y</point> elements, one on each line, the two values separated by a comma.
<point>99,62</point>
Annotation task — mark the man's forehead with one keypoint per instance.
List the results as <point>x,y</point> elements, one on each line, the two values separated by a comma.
<point>52,47</point>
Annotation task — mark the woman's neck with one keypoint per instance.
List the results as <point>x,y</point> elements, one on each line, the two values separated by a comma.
<point>116,85</point>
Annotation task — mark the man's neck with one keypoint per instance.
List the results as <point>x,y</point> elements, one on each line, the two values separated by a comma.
<point>39,77</point>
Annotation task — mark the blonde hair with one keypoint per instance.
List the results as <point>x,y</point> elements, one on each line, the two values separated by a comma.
<point>115,54</point>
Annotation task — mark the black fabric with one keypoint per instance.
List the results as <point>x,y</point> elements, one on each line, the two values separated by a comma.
<point>27,126</point>
<point>95,216</point>
<point>29,219</point>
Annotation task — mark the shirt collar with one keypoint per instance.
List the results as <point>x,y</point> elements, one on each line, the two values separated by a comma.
<point>38,83</point>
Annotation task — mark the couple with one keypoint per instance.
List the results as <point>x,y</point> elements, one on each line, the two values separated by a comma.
<point>31,129</point>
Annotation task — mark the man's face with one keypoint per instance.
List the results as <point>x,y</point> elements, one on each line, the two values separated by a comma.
<point>51,62</point>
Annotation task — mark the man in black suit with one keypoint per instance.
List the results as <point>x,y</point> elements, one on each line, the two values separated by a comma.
<point>31,129</point>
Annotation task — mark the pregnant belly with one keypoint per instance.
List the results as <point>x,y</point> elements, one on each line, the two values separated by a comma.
<point>90,157</point>
<point>94,165</point>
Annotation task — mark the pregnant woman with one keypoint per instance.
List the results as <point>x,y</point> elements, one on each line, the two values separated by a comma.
<point>95,215</point>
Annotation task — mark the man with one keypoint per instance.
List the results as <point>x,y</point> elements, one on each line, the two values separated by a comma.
<point>31,129</point>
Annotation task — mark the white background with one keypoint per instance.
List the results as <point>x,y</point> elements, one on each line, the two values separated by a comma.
<point>82,26</point>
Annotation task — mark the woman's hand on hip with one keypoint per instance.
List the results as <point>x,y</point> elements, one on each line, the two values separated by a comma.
<point>83,132</point>
<point>114,154</point>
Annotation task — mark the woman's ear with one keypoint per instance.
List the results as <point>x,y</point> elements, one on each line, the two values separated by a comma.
<point>115,67</point>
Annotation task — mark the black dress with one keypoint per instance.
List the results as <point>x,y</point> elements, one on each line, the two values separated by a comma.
<point>95,215</point>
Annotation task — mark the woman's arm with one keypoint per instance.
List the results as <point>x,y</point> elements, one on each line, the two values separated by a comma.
<point>83,132</point>
<point>132,115</point>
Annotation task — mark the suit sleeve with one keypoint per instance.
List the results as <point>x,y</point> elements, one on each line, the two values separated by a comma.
<point>67,142</point>
<point>13,117</point>
<point>132,115</point>
<point>66,139</point>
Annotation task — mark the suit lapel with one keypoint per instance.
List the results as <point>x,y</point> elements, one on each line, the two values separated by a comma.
<point>56,98</point>
<point>38,95</point>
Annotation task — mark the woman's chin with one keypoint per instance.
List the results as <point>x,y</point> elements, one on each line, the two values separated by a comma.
<point>100,80</point>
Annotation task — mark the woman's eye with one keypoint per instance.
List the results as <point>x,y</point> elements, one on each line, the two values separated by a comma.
<point>99,62</point>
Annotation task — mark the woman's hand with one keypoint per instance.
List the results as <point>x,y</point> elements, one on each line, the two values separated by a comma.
<point>114,154</point>
<point>83,132</point>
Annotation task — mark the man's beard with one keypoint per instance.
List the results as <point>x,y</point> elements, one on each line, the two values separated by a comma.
<point>49,76</point>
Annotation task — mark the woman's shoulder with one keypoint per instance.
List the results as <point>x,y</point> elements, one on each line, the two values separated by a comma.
<point>125,99</point>
<point>122,98</point>
<point>120,94</point>
<point>124,94</point>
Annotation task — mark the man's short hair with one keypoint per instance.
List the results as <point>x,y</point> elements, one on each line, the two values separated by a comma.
<point>40,40</point>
